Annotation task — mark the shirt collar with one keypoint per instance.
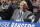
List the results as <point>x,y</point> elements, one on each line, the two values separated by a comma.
<point>21,11</point>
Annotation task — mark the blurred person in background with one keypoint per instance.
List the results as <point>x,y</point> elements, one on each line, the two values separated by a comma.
<point>15,4</point>
<point>10,10</point>
<point>1,10</point>
<point>33,1</point>
<point>6,3</point>
<point>5,8</point>
<point>38,14</point>
<point>18,3</point>
<point>30,7</point>
<point>35,7</point>
<point>1,5</point>
<point>22,14</point>
<point>37,19</point>
<point>39,5</point>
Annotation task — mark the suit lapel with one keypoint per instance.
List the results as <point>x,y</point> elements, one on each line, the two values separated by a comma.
<point>17,13</point>
<point>24,15</point>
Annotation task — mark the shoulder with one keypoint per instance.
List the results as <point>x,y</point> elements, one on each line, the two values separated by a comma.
<point>16,10</point>
<point>30,15</point>
<point>29,12</point>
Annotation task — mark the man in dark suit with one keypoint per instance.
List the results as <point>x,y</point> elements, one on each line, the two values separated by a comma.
<point>22,14</point>
<point>37,19</point>
<point>7,15</point>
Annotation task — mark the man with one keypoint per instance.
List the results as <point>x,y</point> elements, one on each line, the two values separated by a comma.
<point>7,15</point>
<point>35,7</point>
<point>37,19</point>
<point>22,14</point>
<point>1,10</point>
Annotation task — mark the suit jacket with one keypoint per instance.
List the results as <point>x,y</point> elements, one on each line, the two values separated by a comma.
<point>24,16</point>
<point>7,14</point>
<point>37,17</point>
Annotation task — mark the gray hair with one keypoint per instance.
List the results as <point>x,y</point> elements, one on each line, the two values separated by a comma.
<point>25,3</point>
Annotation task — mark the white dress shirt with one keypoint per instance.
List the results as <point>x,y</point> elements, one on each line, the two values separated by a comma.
<point>22,12</point>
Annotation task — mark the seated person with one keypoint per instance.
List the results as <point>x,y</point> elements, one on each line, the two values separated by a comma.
<point>37,19</point>
<point>22,14</point>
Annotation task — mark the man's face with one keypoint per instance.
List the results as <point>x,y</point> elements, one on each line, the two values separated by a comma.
<point>22,6</point>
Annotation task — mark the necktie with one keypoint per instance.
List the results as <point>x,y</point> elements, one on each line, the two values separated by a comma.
<point>20,14</point>
<point>20,17</point>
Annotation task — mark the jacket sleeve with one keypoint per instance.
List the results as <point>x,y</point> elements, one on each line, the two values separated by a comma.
<point>32,17</point>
